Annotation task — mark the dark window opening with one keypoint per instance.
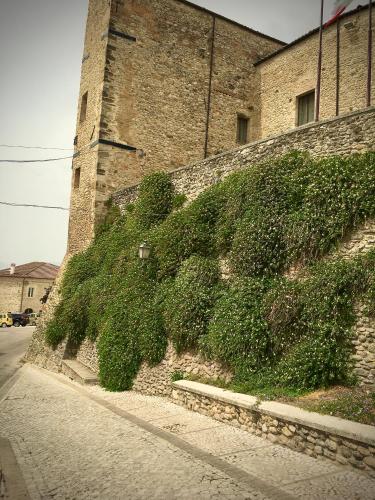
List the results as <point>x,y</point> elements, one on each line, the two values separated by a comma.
<point>306,108</point>
<point>77,177</point>
<point>30,292</point>
<point>82,117</point>
<point>242,129</point>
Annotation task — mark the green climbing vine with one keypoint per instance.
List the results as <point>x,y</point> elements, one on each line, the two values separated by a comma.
<point>268,328</point>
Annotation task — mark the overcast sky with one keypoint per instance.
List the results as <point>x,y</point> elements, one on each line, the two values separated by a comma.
<point>41,46</point>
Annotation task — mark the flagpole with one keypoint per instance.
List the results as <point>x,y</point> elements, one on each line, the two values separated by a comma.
<point>369,54</point>
<point>338,27</point>
<point>319,79</point>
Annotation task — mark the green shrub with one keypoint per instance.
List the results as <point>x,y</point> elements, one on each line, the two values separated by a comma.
<point>119,357</point>
<point>176,239</point>
<point>55,331</point>
<point>271,331</point>
<point>155,199</point>
<point>238,333</point>
<point>258,248</point>
<point>177,376</point>
<point>178,201</point>
<point>188,304</point>
<point>319,360</point>
<point>79,269</point>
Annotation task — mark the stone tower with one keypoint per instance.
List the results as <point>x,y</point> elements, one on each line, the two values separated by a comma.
<point>164,83</point>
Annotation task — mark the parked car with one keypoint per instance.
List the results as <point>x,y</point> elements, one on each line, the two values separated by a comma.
<point>33,318</point>
<point>6,319</point>
<point>20,319</point>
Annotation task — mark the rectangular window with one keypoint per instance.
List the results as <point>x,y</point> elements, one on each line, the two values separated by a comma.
<point>242,129</point>
<point>306,108</point>
<point>77,177</point>
<point>84,99</point>
<point>30,292</point>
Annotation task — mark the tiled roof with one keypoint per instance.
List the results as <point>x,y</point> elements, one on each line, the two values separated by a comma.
<point>41,270</point>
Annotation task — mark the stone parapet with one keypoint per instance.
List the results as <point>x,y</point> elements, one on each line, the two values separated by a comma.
<point>347,134</point>
<point>320,436</point>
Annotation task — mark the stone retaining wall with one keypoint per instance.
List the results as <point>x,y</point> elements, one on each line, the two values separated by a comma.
<point>157,380</point>
<point>364,348</point>
<point>38,352</point>
<point>88,355</point>
<point>318,436</point>
<point>351,133</point>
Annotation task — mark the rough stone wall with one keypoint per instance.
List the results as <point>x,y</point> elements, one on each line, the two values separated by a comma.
<point>364,348</point>
<point>38,352</point>
<point>148,83</point>
<point>361,241</point>
<point>14,294</point>
<point>294,72</point>
<point>157,380</point>
<point>10,294</point>
<point>83,198</point>
<point>297,436</point>
<point>347,134</point>
<point>88,355</point>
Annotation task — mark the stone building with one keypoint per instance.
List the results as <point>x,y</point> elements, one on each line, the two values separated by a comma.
<point>166,83</point>
<point>163,84</point>
<point>289,76</point>
<point>22,287</point>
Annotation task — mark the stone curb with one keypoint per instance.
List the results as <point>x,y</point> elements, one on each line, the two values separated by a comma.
<point>242,400</point>
<point>319,436</point>
<point>326,423</point>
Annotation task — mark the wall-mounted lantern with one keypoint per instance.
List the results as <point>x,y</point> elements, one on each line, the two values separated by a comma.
<point>144,250</point>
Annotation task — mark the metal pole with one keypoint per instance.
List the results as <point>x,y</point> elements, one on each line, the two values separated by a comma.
<point>210,86</point>
<point>338,67</point>
<point>319,80</point>
<point>369,54</point>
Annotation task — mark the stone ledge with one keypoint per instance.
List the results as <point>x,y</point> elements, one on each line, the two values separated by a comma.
<point>78,372</point>
<point>326,423</point>
<point>223,395</point>
<point>292,414</point>
<point>319,436</point>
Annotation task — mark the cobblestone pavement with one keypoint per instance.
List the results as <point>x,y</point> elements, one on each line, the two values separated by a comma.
<point>74,442</point>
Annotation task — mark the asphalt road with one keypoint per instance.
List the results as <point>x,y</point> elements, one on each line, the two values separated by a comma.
<point>13,345</point>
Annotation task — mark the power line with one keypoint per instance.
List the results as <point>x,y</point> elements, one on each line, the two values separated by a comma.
<point>78,154</point>
<point>81,152</point>
<point>36,161</point>
<point>33,206</point>
<point>35,147</point>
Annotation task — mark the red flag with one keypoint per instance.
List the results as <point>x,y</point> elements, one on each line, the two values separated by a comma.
<point>338,9</point>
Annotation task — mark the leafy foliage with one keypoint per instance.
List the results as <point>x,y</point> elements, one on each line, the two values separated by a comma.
<point>155,199</point>
<point>271,331</point>
<point>189,301</point>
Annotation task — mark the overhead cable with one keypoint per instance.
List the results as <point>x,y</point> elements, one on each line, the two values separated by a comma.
<point>35,147</point>
<point>36,161</point>
<point>30,205</point>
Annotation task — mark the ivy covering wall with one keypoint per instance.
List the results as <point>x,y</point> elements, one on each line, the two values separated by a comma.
<point>270,330</point>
